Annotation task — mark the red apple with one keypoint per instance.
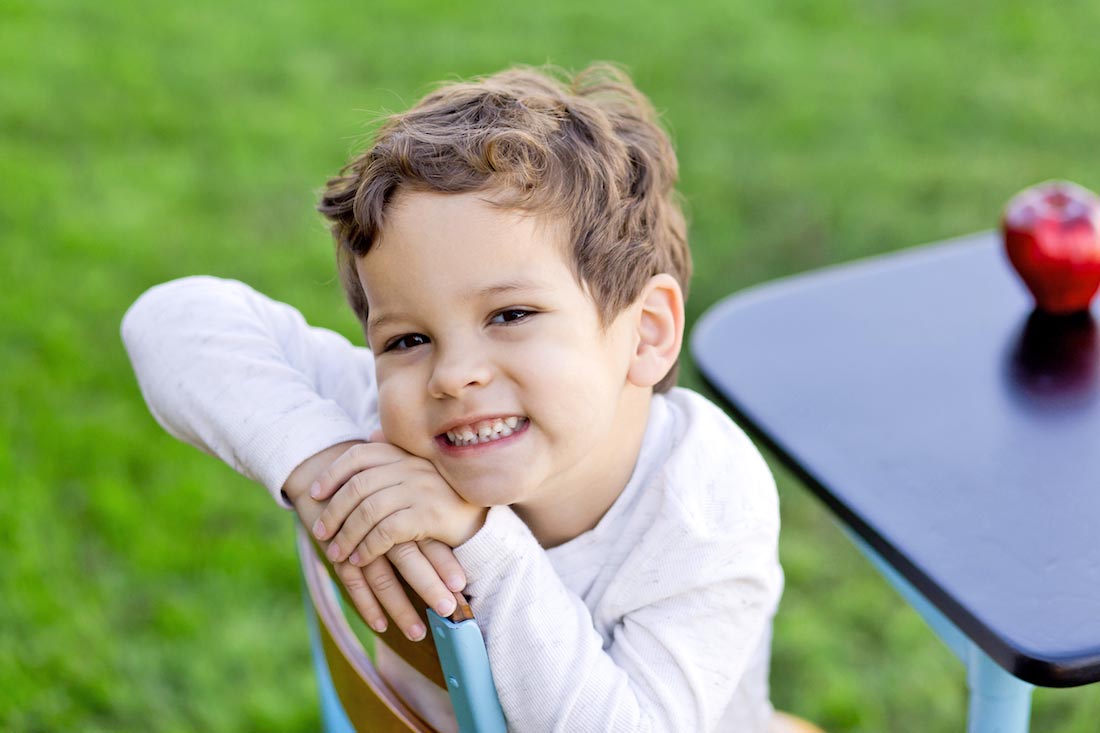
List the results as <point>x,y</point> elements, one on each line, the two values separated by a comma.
<point>1052,237</point>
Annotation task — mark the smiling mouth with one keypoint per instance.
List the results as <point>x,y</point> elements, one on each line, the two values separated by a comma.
<point>485,431</point>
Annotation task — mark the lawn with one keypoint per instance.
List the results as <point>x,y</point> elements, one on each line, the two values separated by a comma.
<point>146,587</point>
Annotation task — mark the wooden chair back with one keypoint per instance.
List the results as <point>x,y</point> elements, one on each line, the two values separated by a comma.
<point>402,688</point>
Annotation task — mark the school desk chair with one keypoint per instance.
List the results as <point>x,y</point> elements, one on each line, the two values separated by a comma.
<point>408,686</point>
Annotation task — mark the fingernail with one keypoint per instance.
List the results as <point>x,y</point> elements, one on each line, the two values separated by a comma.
<point>353,558</point>
<point>318,529</point>
<point>446,607</point>
<point>333,552</point>
<point>315,490</point>
<point>417,632</point>
<point>456,582</point>
<point>379,625</point>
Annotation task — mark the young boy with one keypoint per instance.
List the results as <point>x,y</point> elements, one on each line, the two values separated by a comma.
<point>516,254</point>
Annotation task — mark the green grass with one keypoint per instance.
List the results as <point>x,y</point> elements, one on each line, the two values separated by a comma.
<point>146,587</point>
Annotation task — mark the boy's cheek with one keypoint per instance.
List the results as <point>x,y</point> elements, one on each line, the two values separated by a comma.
<point>395,413</point>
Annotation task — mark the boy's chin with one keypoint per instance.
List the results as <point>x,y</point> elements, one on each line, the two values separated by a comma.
<point>485,494</point>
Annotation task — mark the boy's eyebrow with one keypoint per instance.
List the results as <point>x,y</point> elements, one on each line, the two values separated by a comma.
<point>507,286</point>
<point>373,323</point>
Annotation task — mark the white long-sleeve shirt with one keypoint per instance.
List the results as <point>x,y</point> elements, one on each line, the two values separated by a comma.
<point>659,618</point>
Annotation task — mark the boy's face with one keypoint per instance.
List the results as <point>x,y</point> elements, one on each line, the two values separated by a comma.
<point>492,362</point>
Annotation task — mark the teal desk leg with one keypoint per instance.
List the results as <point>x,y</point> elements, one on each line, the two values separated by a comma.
<point>999,702</point>
<point>465,665</point>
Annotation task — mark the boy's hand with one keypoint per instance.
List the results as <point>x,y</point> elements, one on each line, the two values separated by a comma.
<point>382,497</point>
<point>375,588</point>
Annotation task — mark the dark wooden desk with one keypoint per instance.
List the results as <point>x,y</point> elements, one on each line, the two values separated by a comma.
<point>953,430</point>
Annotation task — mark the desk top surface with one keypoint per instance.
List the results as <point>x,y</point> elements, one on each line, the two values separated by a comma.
<point>949,426</point>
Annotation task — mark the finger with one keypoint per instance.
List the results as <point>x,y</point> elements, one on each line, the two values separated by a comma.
<point>422,577</point>
<point>357,458</point>
<point>355,581</point>
<point>391,530</point>
<point>371,512</point>
<point>391,594</point>
<point>357,488</point>
<point>446,565</point>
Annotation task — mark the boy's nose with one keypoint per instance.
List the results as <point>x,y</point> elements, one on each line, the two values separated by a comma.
<point>457,371</point>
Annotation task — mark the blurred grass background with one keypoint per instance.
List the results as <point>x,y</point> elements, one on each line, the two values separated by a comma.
<point>146,587</point>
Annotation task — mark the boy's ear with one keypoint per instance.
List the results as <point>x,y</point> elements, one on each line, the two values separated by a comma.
<point>660,330</point>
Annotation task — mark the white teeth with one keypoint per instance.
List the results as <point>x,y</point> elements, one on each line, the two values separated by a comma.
<point>485,431</point>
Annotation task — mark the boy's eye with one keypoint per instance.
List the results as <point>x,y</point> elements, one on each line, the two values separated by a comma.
<point>403,343</point>
<point>511,315</point>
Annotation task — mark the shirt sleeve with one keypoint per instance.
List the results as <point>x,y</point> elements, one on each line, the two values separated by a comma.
<point>693,613</point>
<point>245,378</point>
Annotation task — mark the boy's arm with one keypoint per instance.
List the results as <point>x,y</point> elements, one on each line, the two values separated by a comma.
<point>246,379</point>
<point>687,634</point>
<point>243,377</point>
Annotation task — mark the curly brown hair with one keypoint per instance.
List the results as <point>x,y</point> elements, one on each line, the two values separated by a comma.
<point>586,149</point>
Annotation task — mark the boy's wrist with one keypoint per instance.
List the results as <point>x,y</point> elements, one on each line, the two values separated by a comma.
<point>471,528</point>
<point>500,540</point>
